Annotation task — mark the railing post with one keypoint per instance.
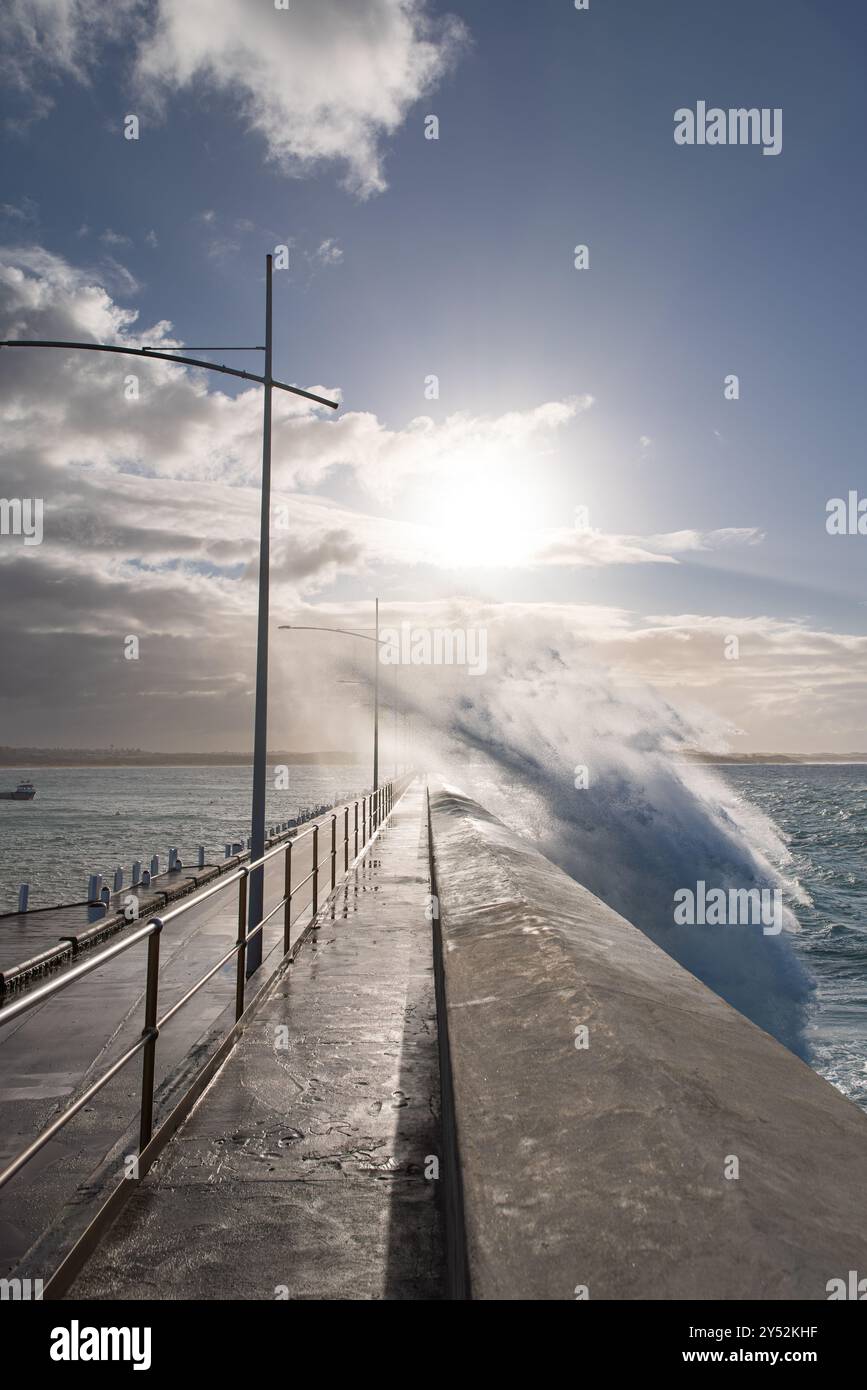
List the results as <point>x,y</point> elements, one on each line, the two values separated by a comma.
<point>150,1031</point>
<point>241,943</point>
<point>287,894</point>
<point>346,839</point>
<point>315,869</point>
<point>355,855</point>
<point>363,821</point>
<point>333,851</point>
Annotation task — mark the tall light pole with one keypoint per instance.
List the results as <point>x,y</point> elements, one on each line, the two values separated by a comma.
<point>376,707</point>
<point>364,634</point>
<point>256,908</point>
<point>260,733</point>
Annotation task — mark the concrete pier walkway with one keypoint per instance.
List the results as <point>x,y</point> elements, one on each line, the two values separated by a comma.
<point>301,1173</point>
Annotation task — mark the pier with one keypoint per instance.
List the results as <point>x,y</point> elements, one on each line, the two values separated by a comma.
<point>466,1077</point>
<point>301,1173</point>
<point>62,1034</point>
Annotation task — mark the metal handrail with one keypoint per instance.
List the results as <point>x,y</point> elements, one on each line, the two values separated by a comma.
<point>377,808</point>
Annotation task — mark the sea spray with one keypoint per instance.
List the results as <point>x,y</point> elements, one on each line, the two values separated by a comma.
<point>641,824</point>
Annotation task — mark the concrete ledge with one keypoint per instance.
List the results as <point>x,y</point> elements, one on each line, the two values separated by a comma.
<point>604,1167</point>
<point>179,883</point>
<point>51,959</point>
<point>165,888</point>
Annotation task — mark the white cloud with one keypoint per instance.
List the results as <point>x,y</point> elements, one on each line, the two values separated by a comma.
<point>594,548</point>
<point>45,39</point>
<point>151,516</point>
<point>329,253</point>
<point>112,238</point>
<point>720,539</point>
<point>22,212</point>
<point>324,85</point>
<point>185,428</point>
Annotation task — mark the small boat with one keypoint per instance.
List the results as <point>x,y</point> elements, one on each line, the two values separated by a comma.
<point>25,791</point>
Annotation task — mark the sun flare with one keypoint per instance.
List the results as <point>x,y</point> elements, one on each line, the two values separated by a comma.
<point>485,523</point>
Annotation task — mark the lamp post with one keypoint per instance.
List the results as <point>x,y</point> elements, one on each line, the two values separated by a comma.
<point>398,721</point>
<point>364,634</point>
<point>260,732</point>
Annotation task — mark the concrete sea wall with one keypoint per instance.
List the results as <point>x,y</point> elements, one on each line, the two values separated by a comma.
<point>607,1170</point>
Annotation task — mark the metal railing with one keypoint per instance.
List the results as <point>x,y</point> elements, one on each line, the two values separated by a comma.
<point>375,810</point>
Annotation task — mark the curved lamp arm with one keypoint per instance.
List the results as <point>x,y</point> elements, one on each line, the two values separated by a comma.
<point>346,631</point>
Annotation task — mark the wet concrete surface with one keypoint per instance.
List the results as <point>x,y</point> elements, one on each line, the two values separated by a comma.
<point>622,1132</point>
<point>52,1053</point>
<point>302,1171</point>
<point>25,936</point>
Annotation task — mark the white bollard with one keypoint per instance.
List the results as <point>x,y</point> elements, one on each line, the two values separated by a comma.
<point>146,879</point>
<point>155,865</point>
<point>201,863</point>
<point>118,879</point>
<point>105,895</point>
<point>136,874</point>
<point>173,860</point>
<point>23,895</point>
<point>94,887</point>
<point>228,851</point>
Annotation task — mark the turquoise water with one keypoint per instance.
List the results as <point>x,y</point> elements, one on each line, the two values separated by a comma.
<point>90,820</point>
<point>822,813</point>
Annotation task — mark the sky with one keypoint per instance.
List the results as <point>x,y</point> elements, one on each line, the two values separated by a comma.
<point>541,450</point>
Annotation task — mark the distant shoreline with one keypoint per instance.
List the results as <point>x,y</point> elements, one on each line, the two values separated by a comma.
<point>82,758</point>
<point>780,762</point>
<point>776,759</point>
<point>34,758</point>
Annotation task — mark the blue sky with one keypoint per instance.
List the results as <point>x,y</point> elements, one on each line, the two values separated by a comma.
<point>555,129</point>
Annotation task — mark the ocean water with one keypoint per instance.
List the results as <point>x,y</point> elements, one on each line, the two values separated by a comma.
<point>822,813</point>
<point>807,826</point>
<point>90,820</point>
<point>650,824</point>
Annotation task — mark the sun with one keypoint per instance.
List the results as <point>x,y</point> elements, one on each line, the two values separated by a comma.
<point>486,520</point>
